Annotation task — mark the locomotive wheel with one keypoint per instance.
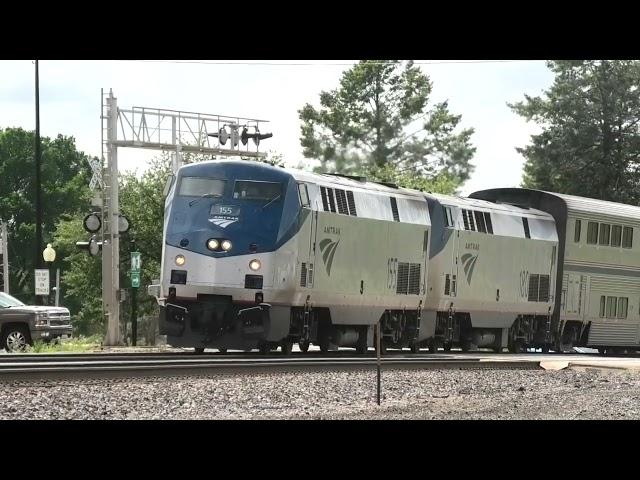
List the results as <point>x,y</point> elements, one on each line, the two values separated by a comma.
<point>602,350</point>
<point>199,350</point>
<point>265,348</point>
<point>466,346</point>
<point>415,348</point>
<point>286,347</point>
<point>324,345</point>
<point>304,346</point>
<point>222,349</point>
<point>447,347</point>
<point>516,347</point>
<point>433,347</point>
<point>362,349</point>
<point>545,348</point>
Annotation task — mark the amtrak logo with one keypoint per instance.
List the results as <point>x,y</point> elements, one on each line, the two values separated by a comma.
<point>223,222</point>
<point>469,263</point>
<point>328,248</point>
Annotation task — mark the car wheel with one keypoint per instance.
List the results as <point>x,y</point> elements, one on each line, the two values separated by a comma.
<point>16,339</point>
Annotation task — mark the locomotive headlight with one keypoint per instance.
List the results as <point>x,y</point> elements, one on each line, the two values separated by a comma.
<point>180,260</point>
<point>226,245</point>
<point>255,265</point>
<point>213,244</point>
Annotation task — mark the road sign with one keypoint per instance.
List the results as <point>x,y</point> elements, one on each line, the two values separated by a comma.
<point>136,263</point>
<point>42,281</point>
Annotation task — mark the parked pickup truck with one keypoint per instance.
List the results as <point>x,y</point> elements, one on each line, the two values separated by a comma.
<point>21,325</point>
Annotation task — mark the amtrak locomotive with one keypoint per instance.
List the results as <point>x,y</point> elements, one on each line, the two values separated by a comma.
<point>261,257</point>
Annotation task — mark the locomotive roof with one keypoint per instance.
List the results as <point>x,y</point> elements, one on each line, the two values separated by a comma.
<point>474,203</point>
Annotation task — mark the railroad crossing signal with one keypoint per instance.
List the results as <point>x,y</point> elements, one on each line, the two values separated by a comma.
<point>136,263</point>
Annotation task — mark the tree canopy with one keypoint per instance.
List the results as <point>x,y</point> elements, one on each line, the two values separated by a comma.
<point>378,123</point>
<point>65,179</point>
<point>590,142</point>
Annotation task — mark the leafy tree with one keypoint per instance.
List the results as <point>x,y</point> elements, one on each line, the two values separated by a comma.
<point>65,180</point>
<point>378,118</point>
<point>590,140</point>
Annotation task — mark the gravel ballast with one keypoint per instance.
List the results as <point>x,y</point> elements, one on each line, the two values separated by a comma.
<point>428,394</point>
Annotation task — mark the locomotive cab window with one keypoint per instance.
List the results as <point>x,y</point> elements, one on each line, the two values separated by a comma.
<point>201,186</point>
<point>576,235</point>
<point>252,190</point>
<point>592,233</point>
<point>627,237</point>
<point>616,235</point>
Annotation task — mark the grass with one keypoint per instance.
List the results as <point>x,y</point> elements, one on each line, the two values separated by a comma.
<point>77,344</point>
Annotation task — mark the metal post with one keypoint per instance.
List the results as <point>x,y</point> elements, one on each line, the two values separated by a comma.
<point>111,245</point>
<point>378,357</point>
<point>5,257</point>
<point>57,287</point>
<point>38,159</point>
<point>134,307</point>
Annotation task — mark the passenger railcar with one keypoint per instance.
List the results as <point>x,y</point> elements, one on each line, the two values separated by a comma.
<point>597,294</point>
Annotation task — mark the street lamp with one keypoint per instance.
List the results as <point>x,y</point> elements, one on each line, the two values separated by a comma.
<point>49,255</point>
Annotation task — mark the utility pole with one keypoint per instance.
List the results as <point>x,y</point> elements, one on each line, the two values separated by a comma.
<point>38,159</point>
<point>5,257</point>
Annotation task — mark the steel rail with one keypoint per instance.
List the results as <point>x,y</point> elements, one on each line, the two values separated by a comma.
<point>69,368</point>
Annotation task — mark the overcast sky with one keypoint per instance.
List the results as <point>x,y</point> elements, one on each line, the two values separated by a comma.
<point>70,101</point>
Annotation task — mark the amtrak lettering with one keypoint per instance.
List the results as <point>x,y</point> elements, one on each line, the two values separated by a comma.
<point>332,230</point>
<point>472,246</point>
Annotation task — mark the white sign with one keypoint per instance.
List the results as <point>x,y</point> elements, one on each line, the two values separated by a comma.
<point>42,282</point>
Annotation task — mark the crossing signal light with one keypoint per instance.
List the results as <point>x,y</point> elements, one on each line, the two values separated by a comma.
<point>93,246</point>
<point>257,136</point>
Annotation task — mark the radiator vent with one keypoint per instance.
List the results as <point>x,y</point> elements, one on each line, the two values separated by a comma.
<point>303,275</point>
<point>408,279</point>
<point>538,288</point>
<point>447,285</point>
<point>310,275</point>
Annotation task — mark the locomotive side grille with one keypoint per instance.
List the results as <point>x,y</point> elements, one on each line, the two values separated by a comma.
<point>341,200</point>
<point>352,204</point>
<point>310,275</point>
<point>403,279</point>
<point>447,285</point>
<point>543,295</point>
<point>414,279</point>
<point>303,275</point>
<point>534,281</point>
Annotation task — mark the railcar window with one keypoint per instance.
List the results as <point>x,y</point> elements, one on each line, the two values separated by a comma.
<point>352,204</point>
<point>623,303</point>
<point>487,219</point>
<point>199,186</point>
<point>605,230</point>
<point>482,227</point>
<point>525,224</point>
<point>304,195</point>
<point>578,227</point>
<point>627,237</point>
<point>394,209</point>
<point>252,190</point>
<point>611,307</point>
<point>592,233</point>
<point>616,235</point>
<point>603,302</point>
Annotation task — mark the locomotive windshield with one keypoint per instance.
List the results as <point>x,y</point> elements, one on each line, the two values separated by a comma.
<point>252,190</point>
<point>201,186</point>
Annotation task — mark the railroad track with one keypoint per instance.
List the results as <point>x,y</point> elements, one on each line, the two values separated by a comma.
<point>81,366</point>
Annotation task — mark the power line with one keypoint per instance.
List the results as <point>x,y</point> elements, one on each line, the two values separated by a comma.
<point>317,64</point>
